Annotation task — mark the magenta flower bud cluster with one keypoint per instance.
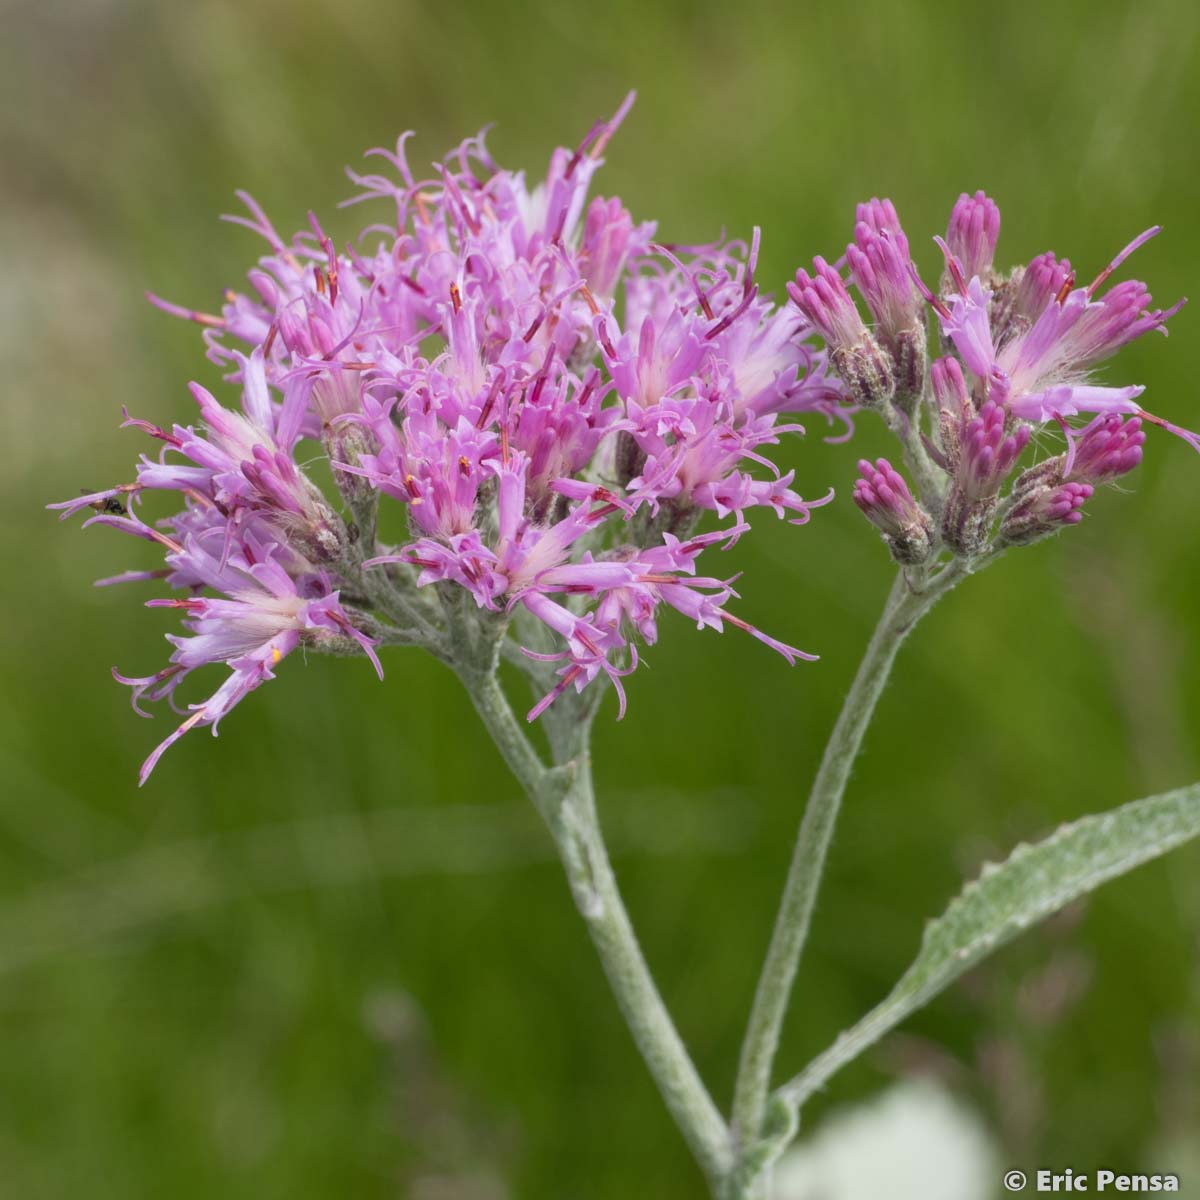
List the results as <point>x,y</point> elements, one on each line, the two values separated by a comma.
<point>859,359</point>
<point>885,500</point>
<point>1044,511</point>
<point>1025,347</point>
<point>1111,446</point>
<point>550,397</point>
<point>887,362</point>
<point>982,453</point>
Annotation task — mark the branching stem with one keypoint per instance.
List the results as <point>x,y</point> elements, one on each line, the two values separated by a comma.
<point>563,795</point>
<point>908,601</point>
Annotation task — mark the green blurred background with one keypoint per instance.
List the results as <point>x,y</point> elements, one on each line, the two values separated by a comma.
<point>329,954</point>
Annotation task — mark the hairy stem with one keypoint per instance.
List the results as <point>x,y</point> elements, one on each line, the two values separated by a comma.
<point>563,795</point>
<point>906,604</point>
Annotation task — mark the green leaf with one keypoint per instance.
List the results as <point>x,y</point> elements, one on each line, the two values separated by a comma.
<point>1034,882</point>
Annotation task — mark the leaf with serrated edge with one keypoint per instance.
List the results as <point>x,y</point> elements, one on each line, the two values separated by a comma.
<point>1034,882</point>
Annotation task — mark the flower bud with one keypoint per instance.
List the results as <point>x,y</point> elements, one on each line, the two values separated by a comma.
<point>953,402</point>
<point>1046,509</point>
<point>824,301</point>
<point>1039,283</point>
<point>880,217</point>
<point>885,500</point>
<point>879,266</point>
<point>973,232</point>
<point>865,368</point>
<point>983,456</point>
<point>1110,446</point>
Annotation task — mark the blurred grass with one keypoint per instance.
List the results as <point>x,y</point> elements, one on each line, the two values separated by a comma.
<point>227,1047</point>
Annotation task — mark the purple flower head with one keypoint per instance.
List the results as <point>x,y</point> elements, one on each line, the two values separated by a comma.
<point>825,303</point>
<point>665,358</point>
<point>262,613</point>
<point>608,238</point>
<point>1109,447</point>
<point>884,499</point>
<point>1041,372</point>
<point>950,388</point>
<point>989,447</point>
<point>1039,283</point>
<point>973,232</point>
<point>550,398</point>
<point>1051,494</point>
<point>1045,510</point>
<point>888,362</point>
<point>880,217</point>
<point>879,266</point>
<point>980,454</point>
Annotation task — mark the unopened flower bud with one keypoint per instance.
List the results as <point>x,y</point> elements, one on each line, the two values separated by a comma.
<point>1051,494</point>
<point>950,387</point>
<point>1039,283</point>
<point>865,367</point>
<point>1045,510</point>
<point>953,400</point>
<point>986,449</point>
<point>881,217</point>
<point>973,232</point>
<point>886,501</point>
<point>879,265</point>
<point>823,299</point>
<point>989,448</point>
<point>1020,299</point>
<point>1110,446</point>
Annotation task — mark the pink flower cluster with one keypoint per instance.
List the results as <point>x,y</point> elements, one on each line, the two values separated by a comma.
<point>1025,345</point>
<point>552,398</point>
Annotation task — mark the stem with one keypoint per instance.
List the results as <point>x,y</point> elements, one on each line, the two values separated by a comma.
<point>563,795</point>
<point>905,606</point>
<point>846,1049</point>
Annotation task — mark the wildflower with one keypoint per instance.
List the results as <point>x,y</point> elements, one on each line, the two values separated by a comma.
<point>825,303</point>
<point>886,362</point>
<point>884,498</point>
<point>1042,373</point>
<point>1111,446</point>
<point>550,397</point>
<point>973,232</point>
<point>879,266</point>
<point>1026,346</point>
<point>1043,511</point>
<point>985,450</point>
<point>261,616</point>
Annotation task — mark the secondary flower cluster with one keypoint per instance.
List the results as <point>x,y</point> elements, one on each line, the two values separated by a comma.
<point>1022,351</point>
<point>550,396</point>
